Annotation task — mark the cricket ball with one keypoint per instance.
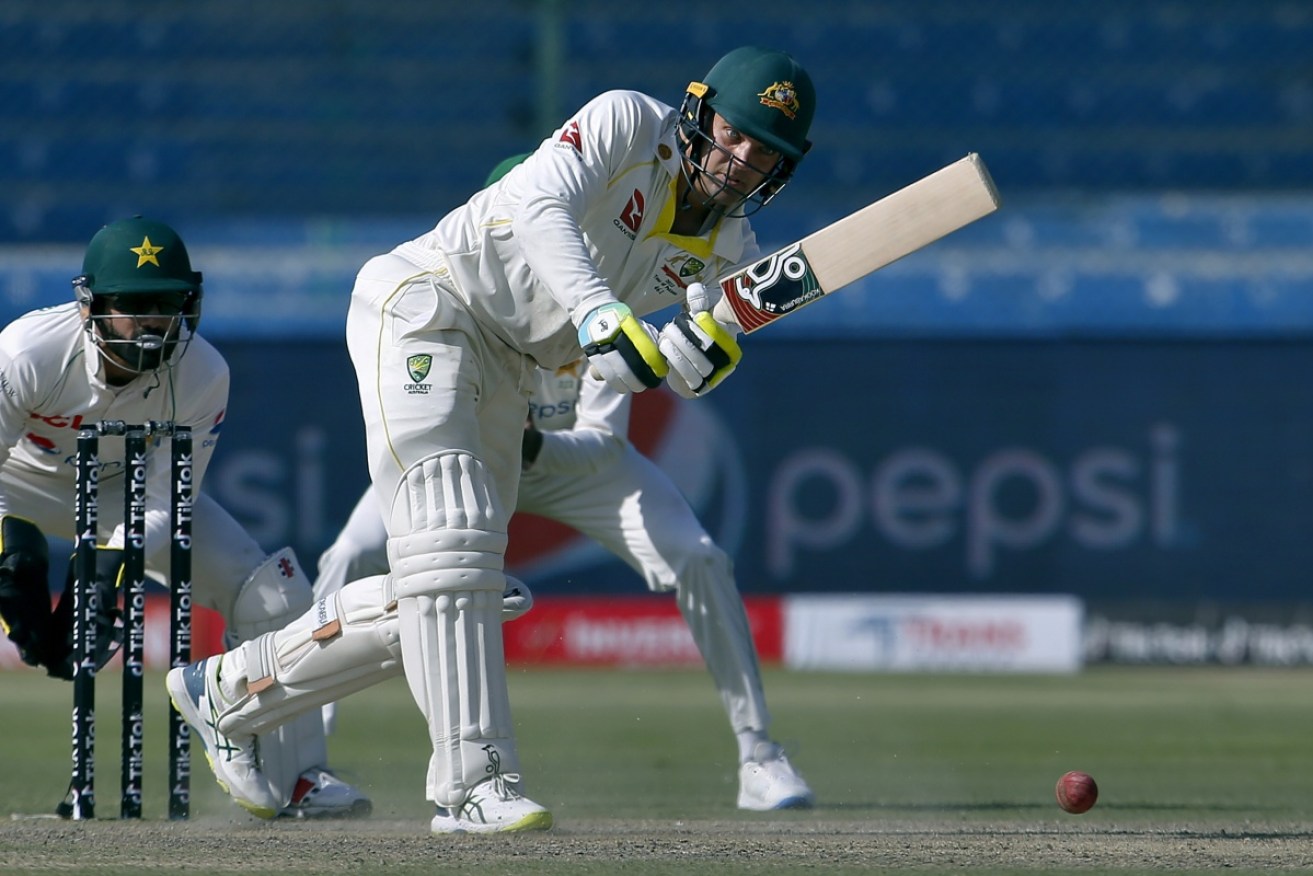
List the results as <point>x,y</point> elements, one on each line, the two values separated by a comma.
<point>1076,792</point>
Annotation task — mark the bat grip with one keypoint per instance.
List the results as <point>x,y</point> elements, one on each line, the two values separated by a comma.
<point>724,314</point>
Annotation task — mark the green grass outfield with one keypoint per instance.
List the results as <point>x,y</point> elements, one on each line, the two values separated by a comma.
<point>1199,769</point>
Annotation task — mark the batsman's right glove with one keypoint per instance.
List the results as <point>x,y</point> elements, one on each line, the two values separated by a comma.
<point>700,350</point>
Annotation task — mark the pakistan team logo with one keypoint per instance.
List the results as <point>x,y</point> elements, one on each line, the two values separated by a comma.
<point>418,366</point>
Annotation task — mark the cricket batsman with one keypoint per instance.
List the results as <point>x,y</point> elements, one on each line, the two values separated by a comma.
<point>626,208</point>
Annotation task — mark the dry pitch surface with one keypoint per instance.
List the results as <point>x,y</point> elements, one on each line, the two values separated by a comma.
<point>1199,770</point>
<point>216,845</point>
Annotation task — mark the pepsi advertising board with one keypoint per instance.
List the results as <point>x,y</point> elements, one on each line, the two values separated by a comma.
<point>1115,471</point>
<point>1112,470</point>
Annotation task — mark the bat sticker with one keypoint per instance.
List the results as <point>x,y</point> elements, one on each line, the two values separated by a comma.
<point>780,283</point>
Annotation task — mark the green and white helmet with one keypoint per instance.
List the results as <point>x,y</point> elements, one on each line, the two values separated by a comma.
<point>764,93</point>
<point>139,269</point>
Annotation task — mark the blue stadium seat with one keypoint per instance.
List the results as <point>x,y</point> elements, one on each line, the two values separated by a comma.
<point>345,106</point>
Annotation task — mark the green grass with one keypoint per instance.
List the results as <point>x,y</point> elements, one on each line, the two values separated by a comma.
<point>1206,752</point>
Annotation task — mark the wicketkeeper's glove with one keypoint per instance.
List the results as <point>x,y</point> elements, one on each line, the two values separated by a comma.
<point>701,351</point>
<point>25,590</point>
<point>108,627</point>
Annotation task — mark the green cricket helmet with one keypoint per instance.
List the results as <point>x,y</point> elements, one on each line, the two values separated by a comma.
<point>765,94</point>
<point>139,268</point>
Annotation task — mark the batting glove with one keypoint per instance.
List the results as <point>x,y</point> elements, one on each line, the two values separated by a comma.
<point>621,348</point>
<point>701,351</point>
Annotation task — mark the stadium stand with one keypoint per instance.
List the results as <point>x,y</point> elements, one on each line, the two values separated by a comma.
<point>356,108</point>
<point>1144,147</point>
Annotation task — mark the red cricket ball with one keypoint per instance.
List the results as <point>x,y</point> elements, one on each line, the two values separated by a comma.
<point>1076,792</point>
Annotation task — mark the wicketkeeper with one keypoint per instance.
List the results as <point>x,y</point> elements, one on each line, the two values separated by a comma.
<point>127,349</point>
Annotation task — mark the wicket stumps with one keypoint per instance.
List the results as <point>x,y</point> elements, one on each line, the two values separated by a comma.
<point>81,801</point>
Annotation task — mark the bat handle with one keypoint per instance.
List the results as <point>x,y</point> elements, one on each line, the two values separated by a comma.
<point>724,313</point>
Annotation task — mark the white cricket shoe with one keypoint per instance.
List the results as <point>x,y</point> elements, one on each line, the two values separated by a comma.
<point>320,794</point>
<point>235,762</point>
<point>493,805</point>
<point>769,781</point>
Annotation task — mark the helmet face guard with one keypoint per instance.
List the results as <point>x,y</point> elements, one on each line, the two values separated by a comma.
<point>764,94</point>
<point>695,131</point>
<point>139,331</point>
<point>140,299</point>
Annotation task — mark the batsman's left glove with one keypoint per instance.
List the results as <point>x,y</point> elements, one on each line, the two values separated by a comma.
<point>701,351</point>
<point>621,348</point>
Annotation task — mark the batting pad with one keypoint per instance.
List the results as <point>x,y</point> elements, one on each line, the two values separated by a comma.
<point>451,645</point>
<point>449,529</point>
<point>346,642</point>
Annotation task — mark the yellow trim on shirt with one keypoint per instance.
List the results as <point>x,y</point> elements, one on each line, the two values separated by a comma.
<point>702,247</point>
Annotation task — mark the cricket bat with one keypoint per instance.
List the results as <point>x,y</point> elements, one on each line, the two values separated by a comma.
<point>877,235</point>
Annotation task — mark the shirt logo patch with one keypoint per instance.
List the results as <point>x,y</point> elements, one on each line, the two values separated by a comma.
<point>419,366</point>
<point>692,267</point>
<point>45,445</point>
<point>571,137</point>
<point>632,215</point>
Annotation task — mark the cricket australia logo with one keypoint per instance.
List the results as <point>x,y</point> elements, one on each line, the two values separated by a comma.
<point>418,367</point>
<point>676,273</point>
<point>692,268</point>
<point>780,283</point>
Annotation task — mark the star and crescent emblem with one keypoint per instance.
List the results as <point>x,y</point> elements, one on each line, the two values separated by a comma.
<point>147,252</point>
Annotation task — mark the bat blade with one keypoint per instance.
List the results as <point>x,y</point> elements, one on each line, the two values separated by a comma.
<point>877,235</point>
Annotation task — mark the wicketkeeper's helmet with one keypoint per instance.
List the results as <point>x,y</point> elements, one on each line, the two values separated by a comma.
<point>141,267</point>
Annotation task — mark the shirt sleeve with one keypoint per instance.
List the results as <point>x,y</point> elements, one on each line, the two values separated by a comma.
<point>572,172</point>
<point>596,440</point>
<point>15,380</point>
